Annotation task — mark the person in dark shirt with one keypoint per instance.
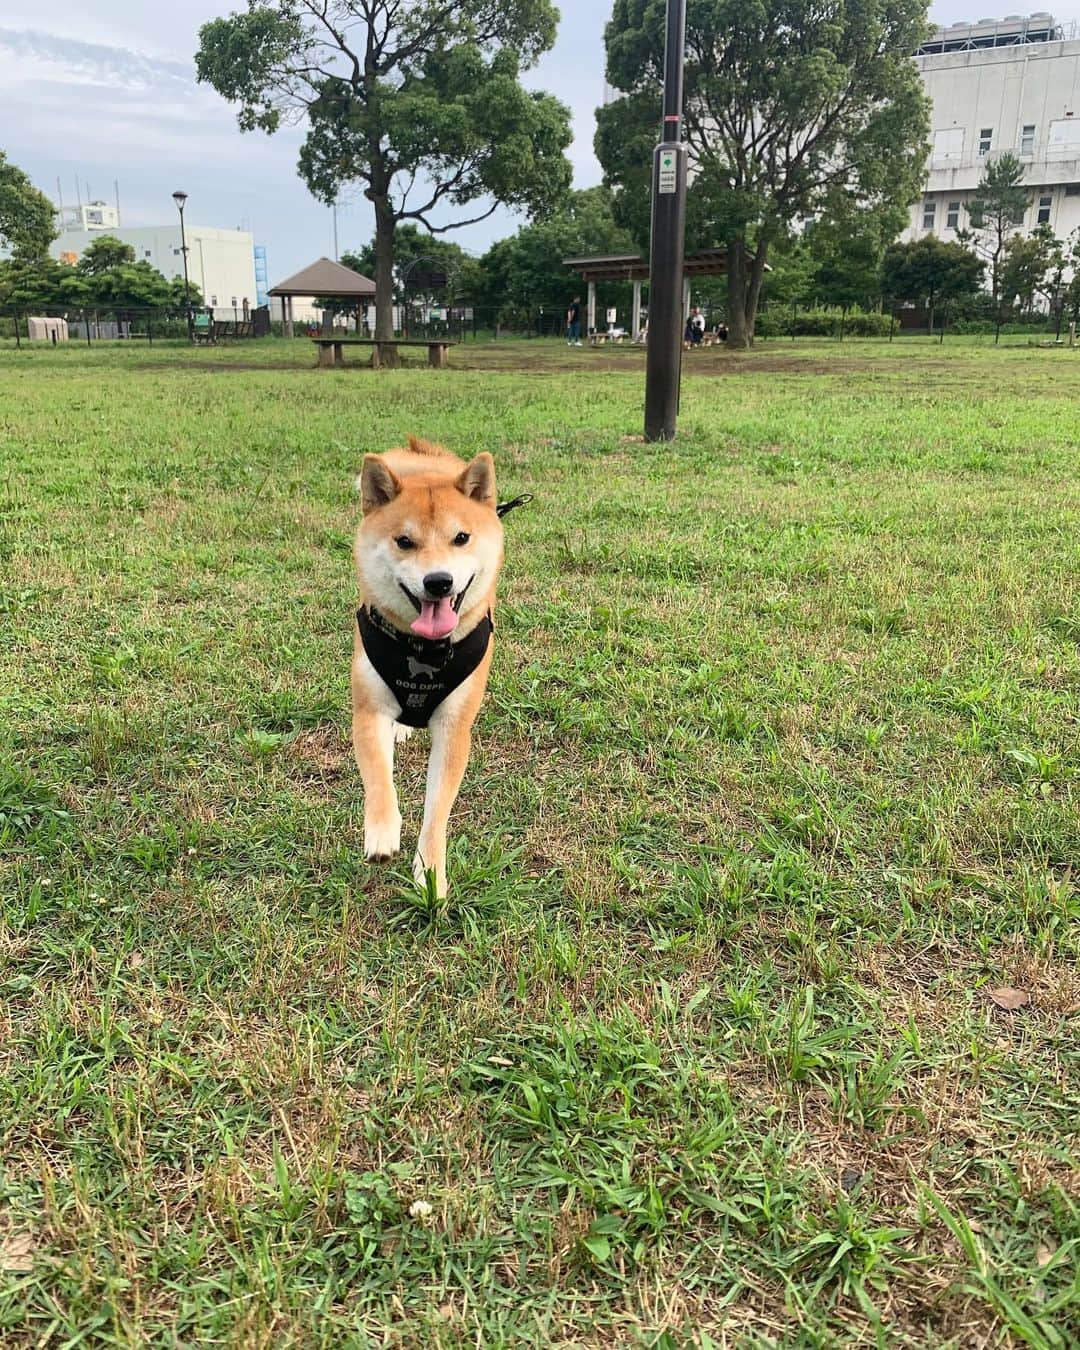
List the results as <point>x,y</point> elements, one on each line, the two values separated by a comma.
<point>573,323</point>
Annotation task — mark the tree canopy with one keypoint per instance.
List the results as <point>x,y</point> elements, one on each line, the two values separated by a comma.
<point>791,108</point>
<point>930,271</point>
<point>104,253</point>
<point>846,250</point>
<point>106,276</point>
<point>418,103</point>
<point>27,220</point>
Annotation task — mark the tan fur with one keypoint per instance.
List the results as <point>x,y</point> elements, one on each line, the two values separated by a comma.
<point>430,495</point>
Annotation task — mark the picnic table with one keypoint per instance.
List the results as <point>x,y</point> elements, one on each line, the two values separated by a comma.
<point>332,349</point>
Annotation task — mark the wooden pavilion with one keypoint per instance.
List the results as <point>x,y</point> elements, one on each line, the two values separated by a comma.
<point>324,279</point>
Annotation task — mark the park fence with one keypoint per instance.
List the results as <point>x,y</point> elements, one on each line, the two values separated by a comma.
<point>56,324</point>
<point>134,326</point>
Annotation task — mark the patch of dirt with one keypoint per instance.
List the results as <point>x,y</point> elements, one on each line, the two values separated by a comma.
<point>320,755</point>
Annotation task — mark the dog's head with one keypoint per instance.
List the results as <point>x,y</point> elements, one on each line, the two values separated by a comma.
<point>430,545</point>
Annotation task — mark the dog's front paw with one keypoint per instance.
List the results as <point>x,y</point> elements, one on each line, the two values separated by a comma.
<point>382,839</point>
<point>402,733</point>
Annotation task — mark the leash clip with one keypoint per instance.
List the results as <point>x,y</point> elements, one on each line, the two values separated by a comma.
<point>503,507</point>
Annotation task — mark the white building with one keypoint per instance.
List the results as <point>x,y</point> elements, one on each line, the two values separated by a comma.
<point>996,86</point>
<point>221,263</point>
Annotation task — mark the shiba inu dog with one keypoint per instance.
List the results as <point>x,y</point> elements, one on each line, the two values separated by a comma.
<point>428,553</point>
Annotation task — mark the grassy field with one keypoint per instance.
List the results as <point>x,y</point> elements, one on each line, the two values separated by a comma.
<point>775,788</point>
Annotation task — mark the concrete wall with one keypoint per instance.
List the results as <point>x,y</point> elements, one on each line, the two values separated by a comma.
<point>1005,91</point>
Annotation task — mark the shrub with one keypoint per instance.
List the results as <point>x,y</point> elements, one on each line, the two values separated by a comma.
<point>821,322</point>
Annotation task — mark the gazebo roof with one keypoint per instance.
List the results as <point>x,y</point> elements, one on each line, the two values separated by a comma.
<point>709,262</point>
<point>325,277</point>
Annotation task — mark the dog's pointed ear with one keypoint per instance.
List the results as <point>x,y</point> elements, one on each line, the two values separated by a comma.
<point>379,485</point>
<point>478,480</point>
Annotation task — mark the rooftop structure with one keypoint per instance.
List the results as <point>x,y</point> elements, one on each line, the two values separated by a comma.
<point>1015,30</point>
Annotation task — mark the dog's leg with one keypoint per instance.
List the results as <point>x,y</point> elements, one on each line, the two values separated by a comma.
<point>373,745</point>
<point>450,740</point>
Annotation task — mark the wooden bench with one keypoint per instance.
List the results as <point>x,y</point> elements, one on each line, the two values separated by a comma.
<point>332,349</point>
<point>233,328</point>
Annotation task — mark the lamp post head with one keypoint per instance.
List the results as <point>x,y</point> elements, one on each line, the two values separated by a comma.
<point>179,198</point>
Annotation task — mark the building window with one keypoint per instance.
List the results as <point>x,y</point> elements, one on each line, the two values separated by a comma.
<point>952,218</point>
<point>147,253</point>
<point>176,253</point>
<point>1072,189</point>
<point>213,300</point>
<point>929,209</point>
<point>1027,139</point>
<point>1043,216</point>
<point>234,302</point>
<point>986,136</point>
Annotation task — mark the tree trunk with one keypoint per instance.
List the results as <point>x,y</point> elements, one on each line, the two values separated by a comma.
<point>930,308</point>
<point>753,288</point>
<point>384,278</point>
<point>738,283</point>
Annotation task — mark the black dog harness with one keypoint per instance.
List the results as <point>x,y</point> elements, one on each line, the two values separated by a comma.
<point>420,672</point>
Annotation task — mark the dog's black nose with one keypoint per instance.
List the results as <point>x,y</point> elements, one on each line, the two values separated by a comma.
<point>438,584</point>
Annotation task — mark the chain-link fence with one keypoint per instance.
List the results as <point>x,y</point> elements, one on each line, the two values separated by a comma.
<point>134,326</point>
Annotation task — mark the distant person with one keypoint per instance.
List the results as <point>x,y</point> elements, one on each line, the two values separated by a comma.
<point>573,323</point>
<point>697,326</point>
<point>721,332</point>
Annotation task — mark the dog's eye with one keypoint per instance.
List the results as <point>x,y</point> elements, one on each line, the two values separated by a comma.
<point>461,538</point>
<point>404,542</point>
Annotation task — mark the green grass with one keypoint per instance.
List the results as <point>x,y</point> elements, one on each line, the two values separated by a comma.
<point>777,779</point>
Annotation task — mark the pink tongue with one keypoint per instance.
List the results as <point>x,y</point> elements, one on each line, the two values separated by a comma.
<point>438,619</point>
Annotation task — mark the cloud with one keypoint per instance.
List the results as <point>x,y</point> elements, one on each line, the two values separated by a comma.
<point>114,105</point>
<point>66,60</point>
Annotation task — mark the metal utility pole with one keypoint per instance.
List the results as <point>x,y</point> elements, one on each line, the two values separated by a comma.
<point>180,198</point>
<point>663,361</point>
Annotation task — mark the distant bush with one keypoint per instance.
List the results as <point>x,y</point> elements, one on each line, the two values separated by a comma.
<point>821,322</point>
<point>1038,323</point>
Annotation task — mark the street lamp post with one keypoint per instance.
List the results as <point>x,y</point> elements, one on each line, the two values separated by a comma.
<point>663,361</point>
<point>180,198</point>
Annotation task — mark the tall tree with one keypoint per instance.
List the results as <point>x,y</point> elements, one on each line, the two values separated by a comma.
<point>27,220</point>
<point>417,101</point>
<point>1026,263</point>
<point>930,272</point>
<point>791,106</point>
<point>1062,258</point>
<point>994,214</point>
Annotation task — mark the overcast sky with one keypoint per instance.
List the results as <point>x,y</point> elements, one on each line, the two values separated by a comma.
<point>107,92</point>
